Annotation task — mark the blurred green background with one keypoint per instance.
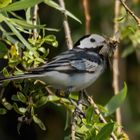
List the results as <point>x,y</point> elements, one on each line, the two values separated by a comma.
<point>102,17</point>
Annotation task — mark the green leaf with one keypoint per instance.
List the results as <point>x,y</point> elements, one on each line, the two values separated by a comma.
<point>2,17</point>
<point>3,111</point>
<point>42,101</point>
<point>73,95</point>
<point>6,104</point>
<point>21,5</point>
<point>14,98</point>
<point>5,72</point>
<point>19,127</point>
<point>21,97</point>
<point>53,98</point>
<point>89,114</point>
<point>25,25</point>
<point>116,101</point>
<point>16,108</point>
<point>39,122</point>
<point>57,7</point>
<point>91,135</point>
<point>51,39</point>
<point>9,37</point>
<point>4,3</point>
<point>3,50</point>
<point>128,51</point>
<point>105,132</point>
<point>19,36</point>
<point>22,110</point>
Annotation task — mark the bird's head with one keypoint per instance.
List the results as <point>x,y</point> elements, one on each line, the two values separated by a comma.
<point>98,44</point>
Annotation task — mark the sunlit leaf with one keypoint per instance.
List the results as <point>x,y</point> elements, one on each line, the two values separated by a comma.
<point>56,6</point>
<point>10,38</point>
<point>39,122</point>
<point>2,17</point>
<point>21,5</point>
<point>5,72</point>
<point>22,110</point>
<point>6,104</point>
<point>73,95</point>
<point>24,24</point>
<point>116,100</point>
<point>51,39</point>
<point>20,37</point>
<point>42,101</point>
<point>16,108</point>
<point>21,97</point>
<point>53,98</point>
<point>4,3</point>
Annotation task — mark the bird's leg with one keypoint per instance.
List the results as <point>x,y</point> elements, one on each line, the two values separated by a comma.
<point>78,112</point>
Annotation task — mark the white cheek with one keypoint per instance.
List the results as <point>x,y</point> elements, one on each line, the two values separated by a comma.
<point>86,44</point>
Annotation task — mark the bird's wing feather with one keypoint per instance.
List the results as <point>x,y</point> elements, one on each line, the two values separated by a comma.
<point>84,65</point>
<point>71,61</point>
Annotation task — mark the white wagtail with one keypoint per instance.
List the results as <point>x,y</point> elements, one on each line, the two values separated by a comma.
<point>75,69</point>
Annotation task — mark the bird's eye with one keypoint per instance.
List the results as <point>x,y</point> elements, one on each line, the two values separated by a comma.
<point>92,40</point>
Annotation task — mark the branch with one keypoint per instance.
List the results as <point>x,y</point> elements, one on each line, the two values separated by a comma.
<point>66,27</point>
<point>87,16</point>
<point>34,21</point>
<point>116,63</point>
<point>73,127</point>
<point>137,19</point>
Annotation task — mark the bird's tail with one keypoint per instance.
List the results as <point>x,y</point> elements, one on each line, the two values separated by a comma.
<point>18,77</point>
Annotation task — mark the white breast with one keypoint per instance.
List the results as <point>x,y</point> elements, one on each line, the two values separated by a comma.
<point>72,82</point>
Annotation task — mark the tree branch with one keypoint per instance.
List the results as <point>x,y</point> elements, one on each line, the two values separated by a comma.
<point>66,27</point>
<point>137,19</point>
<point>116,63</point>
<point>87,16</point>
<point>34,21</point>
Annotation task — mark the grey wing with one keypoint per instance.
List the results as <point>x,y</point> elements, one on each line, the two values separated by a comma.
<point>58,63</point>
<point>84,65</point>
<point>71,61</point>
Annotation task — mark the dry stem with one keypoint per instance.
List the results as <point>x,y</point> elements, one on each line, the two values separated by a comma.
<point>116,65</point>
<point>66,27</point>
<point>87,16</point>
<point>34,20</point>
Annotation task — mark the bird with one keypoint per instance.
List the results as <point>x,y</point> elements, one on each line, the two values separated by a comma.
<point>75,69</point>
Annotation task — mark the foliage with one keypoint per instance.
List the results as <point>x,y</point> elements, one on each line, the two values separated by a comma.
<point>24,52</point>
<point>129,32</point>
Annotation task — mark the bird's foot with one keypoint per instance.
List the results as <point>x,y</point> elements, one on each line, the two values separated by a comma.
<point>78,112</point>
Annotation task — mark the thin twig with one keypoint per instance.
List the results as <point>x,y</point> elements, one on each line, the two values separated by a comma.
<point>76,113</point>
<point>87,16</point>
<point>116,63</point>
<point>137,19</point>
<point>73,127</point>
<point>34,21</point>
<point>102,119</point>
<point>66,27</point>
